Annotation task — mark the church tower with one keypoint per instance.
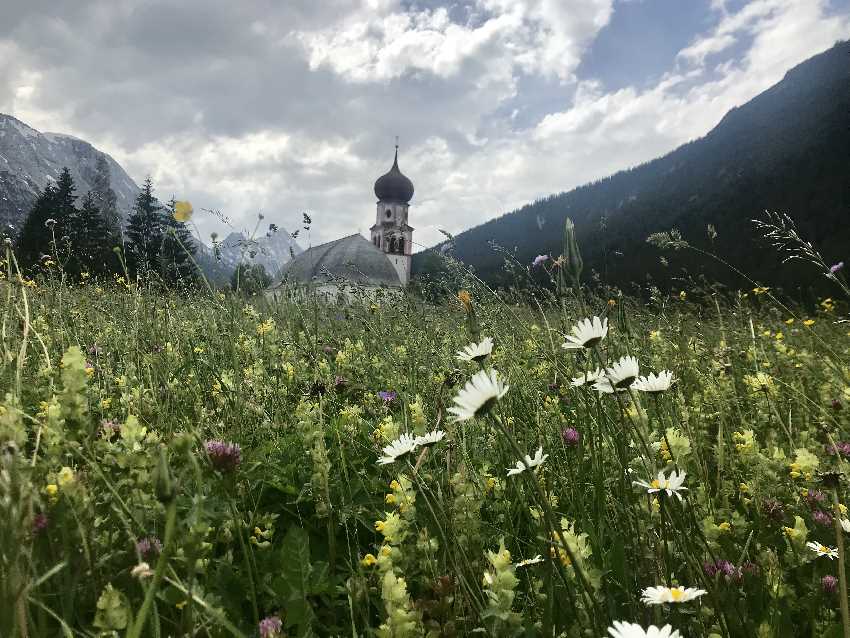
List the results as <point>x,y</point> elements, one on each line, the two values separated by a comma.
<point>391,233</point>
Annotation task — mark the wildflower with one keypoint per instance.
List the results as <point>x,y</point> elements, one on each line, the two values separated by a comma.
<point>760,290</point>
<point>809,322</point>
<point>789,322</point>
<point>683,295</point>
<point>586,334</point>
<point>39,522</point>
<point>369,560</point>
<point>530,561</point>
<point>829,584</point>
<point>224,456</point>
<point>271,627</point>
<point>654,384</point>
<point>478,395</point>
<point>845,524</point>
<point>182,211</point>
<point>149,547</point>
<point>836,267</point>
<point>388,396</point>
<point>621,629</point>
<point>659,595</point>
<point>402,446</point>
<point>539,260</point>
<point>476,352</point>
<point>52,491</point>
<point>822,550</point>
<point>671,485</point>
<point>528,462</point>
<point>571,437</point>
<point>65,477</point>
<point>822,518</point>
<point>587,377</point>
<point>429,438</point>
<point>619,377</point>
<point>142,570</point>
<point>465,298</point>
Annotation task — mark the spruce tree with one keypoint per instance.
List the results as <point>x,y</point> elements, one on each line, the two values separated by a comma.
<point>37,234</point>
<point>178,248</point>
<point>93,241</point>
<point>145,230</point>
<point>65,214</point>
<point>104,197</point>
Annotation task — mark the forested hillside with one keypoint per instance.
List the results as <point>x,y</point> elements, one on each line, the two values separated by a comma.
<point>786,150</point>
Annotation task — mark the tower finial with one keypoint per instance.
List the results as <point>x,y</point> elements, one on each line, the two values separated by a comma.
<point>396,143</point>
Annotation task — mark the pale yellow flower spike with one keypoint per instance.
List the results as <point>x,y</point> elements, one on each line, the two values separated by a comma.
<point>183,211</point>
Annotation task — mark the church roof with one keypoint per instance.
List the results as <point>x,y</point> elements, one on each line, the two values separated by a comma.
<point>353,258</point>
<point>394,186</point>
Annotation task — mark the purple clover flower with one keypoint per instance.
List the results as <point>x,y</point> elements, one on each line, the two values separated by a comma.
<point>149,547</point>
<point>39,522</point>
<point>814,498</point>
<point>224,456</point>
<point>836,267</point>
<point>822,518</point>
<point>839,449</point>
<point>388,396</point>
<point>539,260</point>
<point>571,437</point>
<point>829,584</point>
<point>270,627</point>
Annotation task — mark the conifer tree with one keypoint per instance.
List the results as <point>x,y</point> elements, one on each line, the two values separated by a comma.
<point>145,231</point>
<point>104,196</point>
<point>65,214</point>
<point>37,234</point>
<point>92,239</point>
<point>178,248</point>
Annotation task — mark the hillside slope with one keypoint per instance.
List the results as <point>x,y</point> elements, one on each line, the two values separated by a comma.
<point>30,159</point>
<point>788,149</point>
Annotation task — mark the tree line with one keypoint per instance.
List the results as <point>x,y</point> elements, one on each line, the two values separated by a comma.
<point>87,239</point>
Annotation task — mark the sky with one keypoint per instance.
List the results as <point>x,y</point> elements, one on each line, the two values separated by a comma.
<point>261,106</point>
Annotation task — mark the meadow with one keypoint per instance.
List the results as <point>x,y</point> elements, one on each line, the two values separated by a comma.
<point>216,465</point>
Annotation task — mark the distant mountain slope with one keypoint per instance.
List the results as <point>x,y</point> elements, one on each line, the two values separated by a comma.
<point>272,251</point>
<point>29,160</point>
<point>788,149</point>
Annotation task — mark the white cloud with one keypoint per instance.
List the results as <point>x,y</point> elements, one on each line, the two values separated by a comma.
<point>293,107</point>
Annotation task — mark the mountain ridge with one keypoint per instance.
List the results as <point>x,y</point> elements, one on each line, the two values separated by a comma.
<point>786,149</point>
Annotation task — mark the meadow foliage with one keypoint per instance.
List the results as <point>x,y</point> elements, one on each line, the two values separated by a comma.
<point>215,465</point>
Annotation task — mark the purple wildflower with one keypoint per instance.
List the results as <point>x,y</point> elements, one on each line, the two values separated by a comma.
<point>224,456</point>
<point>829,584</point>
<point>270,627</point>
<point>109,428</point>
<point>814,498</point>
<point>772,508</point>
<point>571,436</point>
<point>842,449</point>
<point>836,267</point>
<point>727,569</point>
<point>149,547</point>
<point>39,522</point>
<point>709,568</point>
<point>822,518</point>
<point>388,396</point>
<point>539,260</point>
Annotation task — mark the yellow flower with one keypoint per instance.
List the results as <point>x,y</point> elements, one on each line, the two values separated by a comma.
<point>725,526</point>
<point>655,335</point>
<point>52,492</point>
<point>683,295</point>
<point>65,477</point>
<point>744,488</point>
<point>789,321</point>
<point>611,303</point>
<point>390,499</point>
<point>809,322</point>
<point>760,290</point>
<point>379,526</point>
<point>465,298</point>
<point>394,485</point>
<point>183,211</point>
<point>368,560</point>
<point>779,336</point>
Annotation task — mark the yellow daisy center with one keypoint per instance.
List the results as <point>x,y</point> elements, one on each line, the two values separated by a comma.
<point>676,594</point>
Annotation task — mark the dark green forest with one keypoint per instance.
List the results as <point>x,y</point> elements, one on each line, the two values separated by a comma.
<point>786,150</point>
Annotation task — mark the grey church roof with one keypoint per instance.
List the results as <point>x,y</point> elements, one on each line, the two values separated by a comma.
<point>353,259</point>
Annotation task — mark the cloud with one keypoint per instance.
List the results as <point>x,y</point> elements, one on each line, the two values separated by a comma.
<point>262,106</point>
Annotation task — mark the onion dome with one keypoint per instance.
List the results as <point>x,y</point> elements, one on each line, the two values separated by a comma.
<point>394,186</point>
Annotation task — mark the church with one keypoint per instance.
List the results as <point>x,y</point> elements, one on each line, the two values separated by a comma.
<point>352,263</point>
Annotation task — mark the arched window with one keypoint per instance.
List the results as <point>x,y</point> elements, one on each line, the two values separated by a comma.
<point>379,241</point>
<point>389,213</point>
<point>392,244</point>
<point>401,245</point>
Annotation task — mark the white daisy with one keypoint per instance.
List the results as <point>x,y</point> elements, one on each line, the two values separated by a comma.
<point>653,383</point>
<point>429,438</point>
<point>476,351</point>
<point>587,377</point>
<point>586,334</point>
<point>621,629</point>
<point>823,550</point>
<point>845,525</point>
<point>528,462</point>
<point>671,485</point>
<point>623,373</point>
<point>478,395</point>
<point>659,595</point>
<point>530,561</point>
<point>397,449</point>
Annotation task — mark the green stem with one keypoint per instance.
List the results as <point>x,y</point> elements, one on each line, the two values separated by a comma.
<point>842,576</point>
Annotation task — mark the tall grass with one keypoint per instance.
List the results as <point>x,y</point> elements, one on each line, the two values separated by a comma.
<point>126,512</point>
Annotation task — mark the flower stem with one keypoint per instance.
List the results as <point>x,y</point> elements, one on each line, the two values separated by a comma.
<point>842,576</point>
